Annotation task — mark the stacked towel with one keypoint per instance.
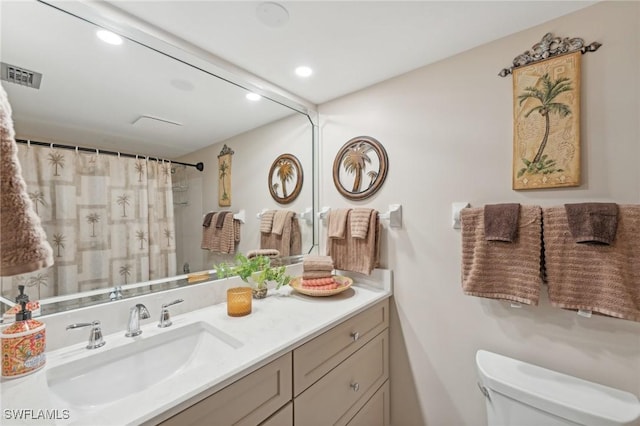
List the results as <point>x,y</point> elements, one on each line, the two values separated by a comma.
<point>595,277</point>
<point>317,273</point>
<point>220,239</point>
<point>493,269</point>
<point>284,234</point>
<point>317,267</point>
<point>23,247</point>
<point>272,253</point>
<point>356,254</point>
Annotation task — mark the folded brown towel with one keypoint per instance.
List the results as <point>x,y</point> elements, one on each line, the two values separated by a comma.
<point>23,246</point>
<point>317,263</point>
<point>220,219</point>
<point>221,240</point>
<point>263,252</point>
<point>266,221</point>
<point>359,222</point>
<point>593,222</point>
<point>595,277</point>
<point>502,271</point>
<point>501,222</point>
<point>207,219</point>
<point>310,275</point>
<point>354,254</point>
<point>280,219</point>
<point>337,222</point>
<point>289,243</point>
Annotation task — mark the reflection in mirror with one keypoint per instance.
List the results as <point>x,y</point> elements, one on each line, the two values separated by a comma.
<point>285,178</point>
<point>133,99</point>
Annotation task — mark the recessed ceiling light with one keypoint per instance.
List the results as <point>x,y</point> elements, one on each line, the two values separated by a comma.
<point>109,37</point>
<point>253,96</point>
<point>304,71</point>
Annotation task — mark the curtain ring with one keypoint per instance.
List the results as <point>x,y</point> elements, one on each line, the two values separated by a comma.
<point>97,152</point>
<point>51,146</point>
<point>118,154</point>
<point>28,143</point>
<point>76,150</point>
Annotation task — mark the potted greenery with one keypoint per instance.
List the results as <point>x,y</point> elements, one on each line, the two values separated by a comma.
<point>257,269</point>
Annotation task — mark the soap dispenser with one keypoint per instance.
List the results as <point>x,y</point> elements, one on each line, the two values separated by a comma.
<point>23,342</point>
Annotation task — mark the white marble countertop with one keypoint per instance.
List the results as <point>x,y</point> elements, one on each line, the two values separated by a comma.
<point>277,324</point>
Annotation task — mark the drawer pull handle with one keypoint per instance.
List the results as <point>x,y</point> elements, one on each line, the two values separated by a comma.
<point>355,387</point>
<point>355,336</point>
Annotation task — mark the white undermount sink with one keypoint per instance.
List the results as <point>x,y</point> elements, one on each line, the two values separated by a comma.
<point>113,374</point>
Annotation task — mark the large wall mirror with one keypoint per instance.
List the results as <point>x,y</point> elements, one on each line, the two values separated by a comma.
<point>141,99</point>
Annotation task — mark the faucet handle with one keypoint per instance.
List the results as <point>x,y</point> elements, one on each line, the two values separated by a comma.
<point>165,318</point>
<point>95,338</point>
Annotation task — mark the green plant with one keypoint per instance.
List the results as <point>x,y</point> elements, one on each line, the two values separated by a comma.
<point>258,268</point>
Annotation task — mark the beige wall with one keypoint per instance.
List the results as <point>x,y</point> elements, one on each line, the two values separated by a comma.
<point>255,151</point>
<point>448,131</point>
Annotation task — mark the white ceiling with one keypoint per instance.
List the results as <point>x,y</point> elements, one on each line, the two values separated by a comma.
<point>349,44</point>
<point>93,93</point>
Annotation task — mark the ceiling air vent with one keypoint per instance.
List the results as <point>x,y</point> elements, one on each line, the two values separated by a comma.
<point>21,76</point>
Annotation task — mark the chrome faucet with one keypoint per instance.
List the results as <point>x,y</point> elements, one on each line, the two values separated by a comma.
<point>136,313</point>
<point>165,319</point>
<point>95,338</point>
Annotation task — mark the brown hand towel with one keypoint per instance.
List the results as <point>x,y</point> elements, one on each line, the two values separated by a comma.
<point>359,222</point>
<point>501,222</point>
<point>266,221</point>
<point>280,219</point>
<point>354,254</point>
<point>502,271</point>
<point>310,275</point>
<point>221,218</point>
<point>207,219</point>
<point>595,277</point>
<point>263,252</point>
<point>289,242</point>
<point>593,222</point>
<point>337,223</point>
<point>23,246</point>
<point>317,263</point>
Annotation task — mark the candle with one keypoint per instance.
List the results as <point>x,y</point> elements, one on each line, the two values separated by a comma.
<point>239,301</point>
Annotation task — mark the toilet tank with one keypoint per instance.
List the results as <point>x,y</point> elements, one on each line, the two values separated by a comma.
<point>518,393</point>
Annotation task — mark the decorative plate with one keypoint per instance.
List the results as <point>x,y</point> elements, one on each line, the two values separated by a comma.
<point>343,284</point>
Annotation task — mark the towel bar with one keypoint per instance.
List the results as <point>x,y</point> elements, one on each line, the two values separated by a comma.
<point>241,216</point>
<point>393,215</point>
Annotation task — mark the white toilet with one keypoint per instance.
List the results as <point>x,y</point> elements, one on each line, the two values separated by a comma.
<point>521,394</point>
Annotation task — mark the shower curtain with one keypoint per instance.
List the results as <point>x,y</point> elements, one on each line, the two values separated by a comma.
<point>109,220</point>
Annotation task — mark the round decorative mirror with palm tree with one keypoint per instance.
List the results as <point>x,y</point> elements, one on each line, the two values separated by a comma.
<point>360,168</point>
<point>285,178</point>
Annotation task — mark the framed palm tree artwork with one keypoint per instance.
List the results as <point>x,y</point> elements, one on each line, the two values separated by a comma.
<point>546,117</point>
<point>224,176</point>
<point>360,168</point>
<point>285,178</point>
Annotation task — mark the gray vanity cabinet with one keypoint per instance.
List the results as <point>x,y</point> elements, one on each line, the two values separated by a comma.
<point>340,377</point>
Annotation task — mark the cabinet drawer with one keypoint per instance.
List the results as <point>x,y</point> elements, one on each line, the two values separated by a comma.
<point>315,358</point>
<point>376,412</point>
<point>248,401</point>
<point>284,417</point>
<point>341,393</point>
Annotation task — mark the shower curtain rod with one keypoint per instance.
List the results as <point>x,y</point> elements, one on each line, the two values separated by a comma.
<point>199,166</point>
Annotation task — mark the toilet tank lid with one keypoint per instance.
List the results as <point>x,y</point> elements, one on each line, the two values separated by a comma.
<point>569,397</point>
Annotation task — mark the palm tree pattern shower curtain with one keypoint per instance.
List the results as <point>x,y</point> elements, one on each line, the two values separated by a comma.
<point>109,220</point>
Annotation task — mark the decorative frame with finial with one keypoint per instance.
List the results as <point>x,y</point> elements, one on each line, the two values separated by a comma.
<point>546,113</point>
<point>224,176</point>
